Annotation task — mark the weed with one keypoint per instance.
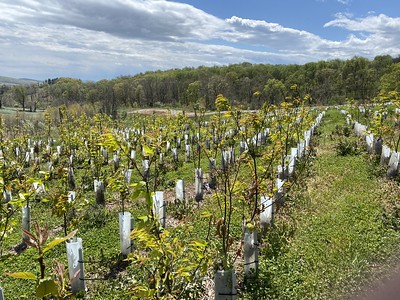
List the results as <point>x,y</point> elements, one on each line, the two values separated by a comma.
<point>180,209</point>
<point>346,146</point>
<point>375,168</point>
<point>343,130</point>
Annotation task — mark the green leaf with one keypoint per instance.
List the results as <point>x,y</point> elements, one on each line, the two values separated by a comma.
<point>136,193</point>
<point>261,169</point>
<point>250,226</point>
<point>183,273</point>
<point>22,275</point>
<point>228,114</point>
<point>57,241</point>
<point>148,150</point>
<point>143,218</point>
<point>206,214</point>
<point>199,244</point>
<point>47,287</point>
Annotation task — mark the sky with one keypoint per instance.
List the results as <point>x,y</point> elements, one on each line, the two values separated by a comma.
<point>103,39</point>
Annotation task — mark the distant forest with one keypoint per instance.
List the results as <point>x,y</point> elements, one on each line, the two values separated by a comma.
<point>245,84</point>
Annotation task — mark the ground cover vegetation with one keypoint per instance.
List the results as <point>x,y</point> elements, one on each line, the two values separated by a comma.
<point>336,238</point>
<point>52,168</point>
<point>161,207</point>
<point>304,253</point>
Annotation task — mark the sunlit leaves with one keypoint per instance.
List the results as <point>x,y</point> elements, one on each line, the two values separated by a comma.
<point>148,150</point>
<point>222,103</point>
<point>165,258</point>
<point>58,241</point>
<point>47,287</point>
<point>206,214</point>
<point>110,141</point>
<point>252,120</point>
<point>22,275</point>
<point>171,262</point>
<point>139,189</point>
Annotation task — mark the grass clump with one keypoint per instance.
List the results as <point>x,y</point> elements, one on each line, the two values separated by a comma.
<point>340,228</point>
<point>347,146</point>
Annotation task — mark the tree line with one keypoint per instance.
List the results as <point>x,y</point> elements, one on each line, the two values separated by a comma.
<point>246,84</point>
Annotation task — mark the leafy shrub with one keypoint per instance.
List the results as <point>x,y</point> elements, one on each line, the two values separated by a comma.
<point>174,268</point>
<point>347,146</point>
<point>375,168</point>
<point>342,131</point>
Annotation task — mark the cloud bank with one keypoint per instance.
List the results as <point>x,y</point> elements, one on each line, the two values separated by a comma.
<point>97,39</point>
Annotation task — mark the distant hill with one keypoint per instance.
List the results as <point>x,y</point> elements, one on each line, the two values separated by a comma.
<point>17,81</point>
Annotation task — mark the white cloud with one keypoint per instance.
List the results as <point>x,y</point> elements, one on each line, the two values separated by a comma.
<point>378,34</point>
<point>374,35</point>
<point>144,19</point>
<point>137,32</point>
<point>373,24</point>
<point>270,35</point>
<point>94,39</point>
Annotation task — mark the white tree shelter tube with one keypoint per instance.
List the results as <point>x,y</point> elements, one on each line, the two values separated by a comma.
<point>26,220</point>
<point>75,264</point>
<point>125,232</point>
<point>225,285</point>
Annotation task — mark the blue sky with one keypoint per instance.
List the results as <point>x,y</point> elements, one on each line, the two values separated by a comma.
<point>97,39</point>
<point>308,15</point>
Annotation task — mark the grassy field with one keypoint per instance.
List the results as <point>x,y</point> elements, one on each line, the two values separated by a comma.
<point>15,110</point>
<point>336,233</point>
<point>12,116</point>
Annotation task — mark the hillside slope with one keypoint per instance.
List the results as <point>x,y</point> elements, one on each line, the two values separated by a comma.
<point>17,81</point>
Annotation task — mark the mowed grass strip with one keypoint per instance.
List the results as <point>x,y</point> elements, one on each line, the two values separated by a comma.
<point>328,242</point>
